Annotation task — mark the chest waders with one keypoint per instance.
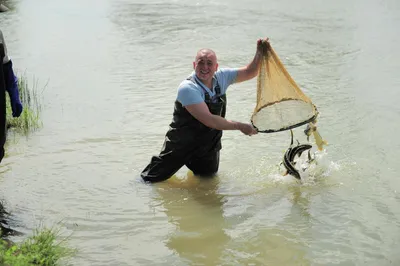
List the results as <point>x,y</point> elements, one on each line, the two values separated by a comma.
<point>189,142</point>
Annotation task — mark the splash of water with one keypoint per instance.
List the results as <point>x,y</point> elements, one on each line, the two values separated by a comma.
<point>264,175</point>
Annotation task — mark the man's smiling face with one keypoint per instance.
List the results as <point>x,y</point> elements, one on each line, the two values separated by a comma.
<point>205,65</point>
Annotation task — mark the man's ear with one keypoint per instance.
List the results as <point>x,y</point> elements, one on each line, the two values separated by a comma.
<point>194,65</point>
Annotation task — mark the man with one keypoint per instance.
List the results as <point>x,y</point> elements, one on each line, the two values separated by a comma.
<point>194,137</point>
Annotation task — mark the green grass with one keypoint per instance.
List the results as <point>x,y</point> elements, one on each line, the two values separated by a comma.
<point>42,248</point>
<point>29,119</point>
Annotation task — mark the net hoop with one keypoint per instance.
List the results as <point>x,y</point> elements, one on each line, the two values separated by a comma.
<point>313,118</point>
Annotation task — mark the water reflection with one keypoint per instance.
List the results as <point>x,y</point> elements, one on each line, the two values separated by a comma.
<point>208,233</point>
<point>195,207</point>
<point>301,202</point>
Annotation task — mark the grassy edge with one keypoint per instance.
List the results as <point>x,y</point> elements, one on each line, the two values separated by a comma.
<point>30,97</point>
<point>45,247</point>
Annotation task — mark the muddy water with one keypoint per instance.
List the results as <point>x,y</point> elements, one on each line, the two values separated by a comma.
<point>112,68</point>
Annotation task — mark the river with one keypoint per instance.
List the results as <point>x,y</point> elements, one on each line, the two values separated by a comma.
<point>112,69</point>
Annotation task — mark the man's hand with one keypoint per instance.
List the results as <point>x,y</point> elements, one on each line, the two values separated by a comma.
<point>247,129</point>
<point>201,112</point>
<point>263,45</point>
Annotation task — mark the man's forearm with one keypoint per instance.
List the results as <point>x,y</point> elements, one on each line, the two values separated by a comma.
<point>254,65</point>
<point>220,123</point>
<point>250,70</point>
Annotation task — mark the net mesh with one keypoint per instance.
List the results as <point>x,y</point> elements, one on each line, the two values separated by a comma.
<point>281,105</point>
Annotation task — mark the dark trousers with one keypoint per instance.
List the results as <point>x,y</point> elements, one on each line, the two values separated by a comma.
<point>168,163</point>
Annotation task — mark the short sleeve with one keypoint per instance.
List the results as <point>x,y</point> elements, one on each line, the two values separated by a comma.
<point>189,94</point>
<point>226,77</point>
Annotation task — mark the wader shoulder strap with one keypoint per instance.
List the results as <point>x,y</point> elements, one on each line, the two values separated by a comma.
<point>208,98</point>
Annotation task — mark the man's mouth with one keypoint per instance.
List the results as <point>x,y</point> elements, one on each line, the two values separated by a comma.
<point>204,72</point>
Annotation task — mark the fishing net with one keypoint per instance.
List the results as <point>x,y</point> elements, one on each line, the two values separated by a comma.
<point>281,105</point>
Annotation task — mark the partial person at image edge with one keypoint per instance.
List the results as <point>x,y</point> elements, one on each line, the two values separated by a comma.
<point>11,81</point>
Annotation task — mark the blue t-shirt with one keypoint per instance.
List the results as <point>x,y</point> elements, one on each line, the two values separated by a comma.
<point>191,93</point>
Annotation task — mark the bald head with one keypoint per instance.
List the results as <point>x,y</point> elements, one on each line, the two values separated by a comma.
<point>206,53</point>
<point>205,65</point>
